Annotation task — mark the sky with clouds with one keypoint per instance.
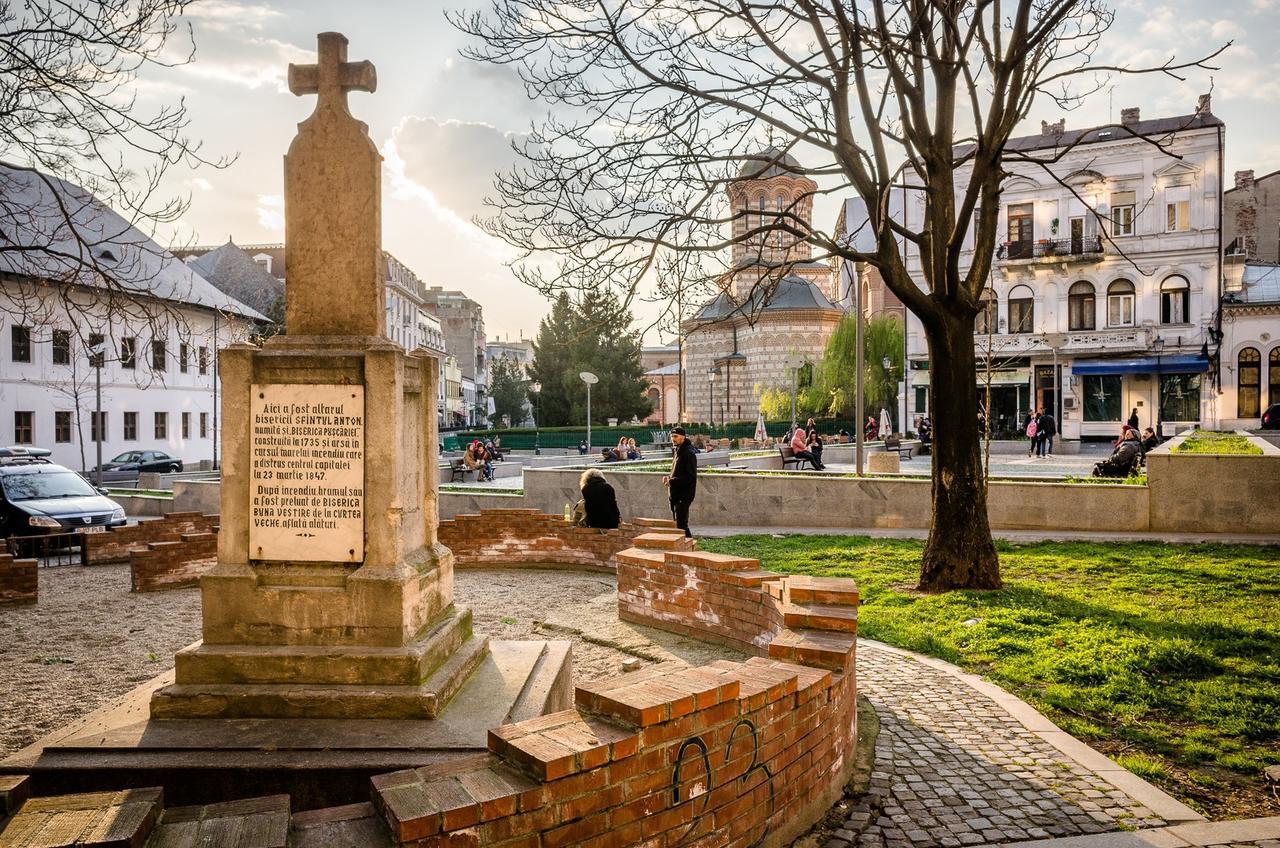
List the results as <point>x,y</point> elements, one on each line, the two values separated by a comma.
<point>444,123</point>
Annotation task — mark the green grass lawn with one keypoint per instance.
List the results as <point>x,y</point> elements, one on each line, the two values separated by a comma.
<point>1166,657</point>
<point>1212,441</point>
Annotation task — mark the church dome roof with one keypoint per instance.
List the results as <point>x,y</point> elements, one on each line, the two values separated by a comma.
<point>792,292</point>
<point>770,162</point>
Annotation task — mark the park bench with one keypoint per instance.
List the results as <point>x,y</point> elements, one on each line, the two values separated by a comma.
<point>895,443</point>
<point>660,438</point>
<point>458,471</point>
<point>789,457</point>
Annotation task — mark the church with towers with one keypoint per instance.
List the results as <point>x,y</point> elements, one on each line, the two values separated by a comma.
<point>776,303</point>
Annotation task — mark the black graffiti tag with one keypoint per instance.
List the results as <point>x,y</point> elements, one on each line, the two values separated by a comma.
<point>700,798</point>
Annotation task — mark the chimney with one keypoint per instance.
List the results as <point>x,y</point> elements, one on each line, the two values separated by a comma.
<point>1244,179</point>
<point>1056,128</point>
<point>1130,116</point>
<point>1204,105</point>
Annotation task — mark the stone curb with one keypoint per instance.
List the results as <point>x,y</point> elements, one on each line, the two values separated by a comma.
<point>1157,800</point>
<point>1008,535</point>
<point>1192,835</point>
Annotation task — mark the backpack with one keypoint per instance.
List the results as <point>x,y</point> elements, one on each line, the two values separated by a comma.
<point>1031,429</point>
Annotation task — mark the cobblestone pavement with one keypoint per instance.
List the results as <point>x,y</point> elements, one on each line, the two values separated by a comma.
<point>953,768</point>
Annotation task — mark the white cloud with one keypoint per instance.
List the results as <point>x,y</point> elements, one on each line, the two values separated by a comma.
<point>456,161</point>
<point>226,14</point>
<point>271,212</point>
<point>201,183</point>
<point>252,62</point>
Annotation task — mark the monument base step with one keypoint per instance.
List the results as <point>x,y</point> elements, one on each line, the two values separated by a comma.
<point>318,762</point>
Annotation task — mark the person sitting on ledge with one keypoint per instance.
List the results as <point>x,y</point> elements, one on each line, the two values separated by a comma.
<point>608,455</point>
<point>473,458</point>
<point>633,452</point>
<point>599,504</point>
<point>582,447</point>
<point>1123,461</point>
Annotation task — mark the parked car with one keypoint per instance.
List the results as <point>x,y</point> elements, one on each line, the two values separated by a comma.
<point>40,497</point>
<point>148,460</point>
<point>1271,417</point>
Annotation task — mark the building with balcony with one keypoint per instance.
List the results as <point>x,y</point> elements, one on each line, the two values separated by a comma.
<point>1103,291</point>
<point>462,320</point>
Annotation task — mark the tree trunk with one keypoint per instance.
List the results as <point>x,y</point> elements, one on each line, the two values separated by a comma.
<point>959,553</point>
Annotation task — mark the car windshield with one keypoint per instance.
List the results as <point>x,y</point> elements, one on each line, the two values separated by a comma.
<point>131,456</point>
<point>55,484</point>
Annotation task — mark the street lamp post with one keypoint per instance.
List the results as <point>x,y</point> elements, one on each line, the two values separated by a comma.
<point>590,379</point>
<point>711,411</point>
<point>97,355</point>
<point>887,364</point>
<point>536,388</point>
<point>795,363</point>
<point>1157,344</point>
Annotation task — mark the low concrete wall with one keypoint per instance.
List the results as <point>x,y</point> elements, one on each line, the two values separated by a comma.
<point>197,496</point>
<point>453,504</point>
<point>1207,493</point>
<point>144,506</point>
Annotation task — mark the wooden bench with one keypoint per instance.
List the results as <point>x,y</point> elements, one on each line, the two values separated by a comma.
<point>789,458</point>
<point>458,471</point>
<point>895,443</point>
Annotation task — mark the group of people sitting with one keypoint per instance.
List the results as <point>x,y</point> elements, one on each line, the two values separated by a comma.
<point>807,444</point>
<point>625,449</point>
<point>480,457</point>
<point>1129,452</point>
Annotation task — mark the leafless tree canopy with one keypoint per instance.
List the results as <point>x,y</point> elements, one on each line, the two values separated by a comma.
<point>658,104</point>
<point>69,111</point>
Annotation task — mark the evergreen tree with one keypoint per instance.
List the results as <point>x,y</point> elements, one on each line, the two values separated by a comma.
<point>590,335</point>
<point>507,387</point>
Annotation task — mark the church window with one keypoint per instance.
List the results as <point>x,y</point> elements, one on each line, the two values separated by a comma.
<point>1249,380</point>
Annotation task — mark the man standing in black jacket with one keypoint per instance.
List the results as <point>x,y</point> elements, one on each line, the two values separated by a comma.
<point>682,482</point>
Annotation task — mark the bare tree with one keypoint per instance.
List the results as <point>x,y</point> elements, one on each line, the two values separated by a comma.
<point>655,102</point>
<point>73,142</point>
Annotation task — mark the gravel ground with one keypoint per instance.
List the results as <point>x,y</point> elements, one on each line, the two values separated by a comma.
<point>90,640</point>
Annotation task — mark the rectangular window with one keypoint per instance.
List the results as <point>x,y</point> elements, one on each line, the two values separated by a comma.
<point>23,427</point>
<point>97,427</point>
<point>1120,310</point>
<point>204,425</point>
<point>131,426</point>
<point>20,345</point>
<point>96,343</point>
<point>62,427</point>
<point>129,353</point>
<point>1122,206</point>
<point>158,355</point>
<point>186,425</point>
<point>61,347</point>
<point>202,359</point>
<point>1180,397</point>
<point>1173,306</point>
<point>182,357</point>
<point>1102,398</point>
<point>1177,200</point>
<point>162,425</point>
<point>1020,315</point>
<point>1021,231</point>
<point>922,399</point>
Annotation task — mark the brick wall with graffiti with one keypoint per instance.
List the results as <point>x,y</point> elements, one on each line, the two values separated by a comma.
<point>729,754</point>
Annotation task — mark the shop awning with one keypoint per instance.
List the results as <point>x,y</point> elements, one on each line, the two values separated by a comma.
<point>1186,363</point>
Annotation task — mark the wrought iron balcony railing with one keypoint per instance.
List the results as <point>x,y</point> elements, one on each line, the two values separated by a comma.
<point>1050,248</point>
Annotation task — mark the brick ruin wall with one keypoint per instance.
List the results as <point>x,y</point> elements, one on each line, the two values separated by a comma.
<point>175,564</point>
<point>19,579</point>
<point>115,544</point>
<point>727,754</point>
<point>498,537</point>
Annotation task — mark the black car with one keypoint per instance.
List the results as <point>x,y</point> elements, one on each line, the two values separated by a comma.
<point>39,497</point>
<point>1271,417</point>
<point>144,460</point>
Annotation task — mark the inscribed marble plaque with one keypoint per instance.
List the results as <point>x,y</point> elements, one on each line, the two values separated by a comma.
<point>306,495</point>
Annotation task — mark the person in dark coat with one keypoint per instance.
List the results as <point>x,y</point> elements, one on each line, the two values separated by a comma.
<point>1149,442</point>
<point>1133,420</point>
<point>1123,461</point>
<point>682,482</point>
<point>1046,430</point>
<point>599,503</point>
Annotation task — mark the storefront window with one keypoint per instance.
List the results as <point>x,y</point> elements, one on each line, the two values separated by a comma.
<point>1179,397</point>
<point>1102,397</point>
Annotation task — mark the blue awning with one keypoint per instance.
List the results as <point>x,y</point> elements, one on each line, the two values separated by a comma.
<point>1185,363</point>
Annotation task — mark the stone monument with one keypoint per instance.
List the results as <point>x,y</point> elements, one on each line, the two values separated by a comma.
<point>331,597</point>
<point>331,643</point>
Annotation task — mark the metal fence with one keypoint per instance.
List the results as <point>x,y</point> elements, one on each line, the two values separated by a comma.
<point>49,550</point>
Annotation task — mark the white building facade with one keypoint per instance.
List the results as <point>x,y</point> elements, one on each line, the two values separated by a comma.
<point>1103,294</point>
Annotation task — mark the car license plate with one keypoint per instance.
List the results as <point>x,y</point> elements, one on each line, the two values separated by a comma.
<point>101,528</point>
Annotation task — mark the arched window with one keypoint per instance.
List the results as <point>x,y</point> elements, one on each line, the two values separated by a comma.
<point>986,320</point>
<point>1175,301</point>
<point>782,205</point>
<point>1021,310</point>
<point>1248,383</point>
<point>1082,310</point>
<point>1273,376</point>
<point>1120,304</point>
<point>760,208</point>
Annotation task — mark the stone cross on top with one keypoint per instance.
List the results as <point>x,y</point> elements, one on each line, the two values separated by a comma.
<point>333,204</point>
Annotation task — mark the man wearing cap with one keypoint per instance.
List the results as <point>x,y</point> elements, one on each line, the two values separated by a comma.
<point>682,482</point>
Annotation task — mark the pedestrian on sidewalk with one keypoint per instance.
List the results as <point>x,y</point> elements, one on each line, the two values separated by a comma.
<point>1032,427</point>
<point>1047,429</point>
<point>682,482</point>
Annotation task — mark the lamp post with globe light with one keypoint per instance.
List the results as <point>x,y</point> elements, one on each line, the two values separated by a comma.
<point>536,388</point>
<point>590,379</point>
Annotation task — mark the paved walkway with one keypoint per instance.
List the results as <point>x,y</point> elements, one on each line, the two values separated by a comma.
<point>960,762</point>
